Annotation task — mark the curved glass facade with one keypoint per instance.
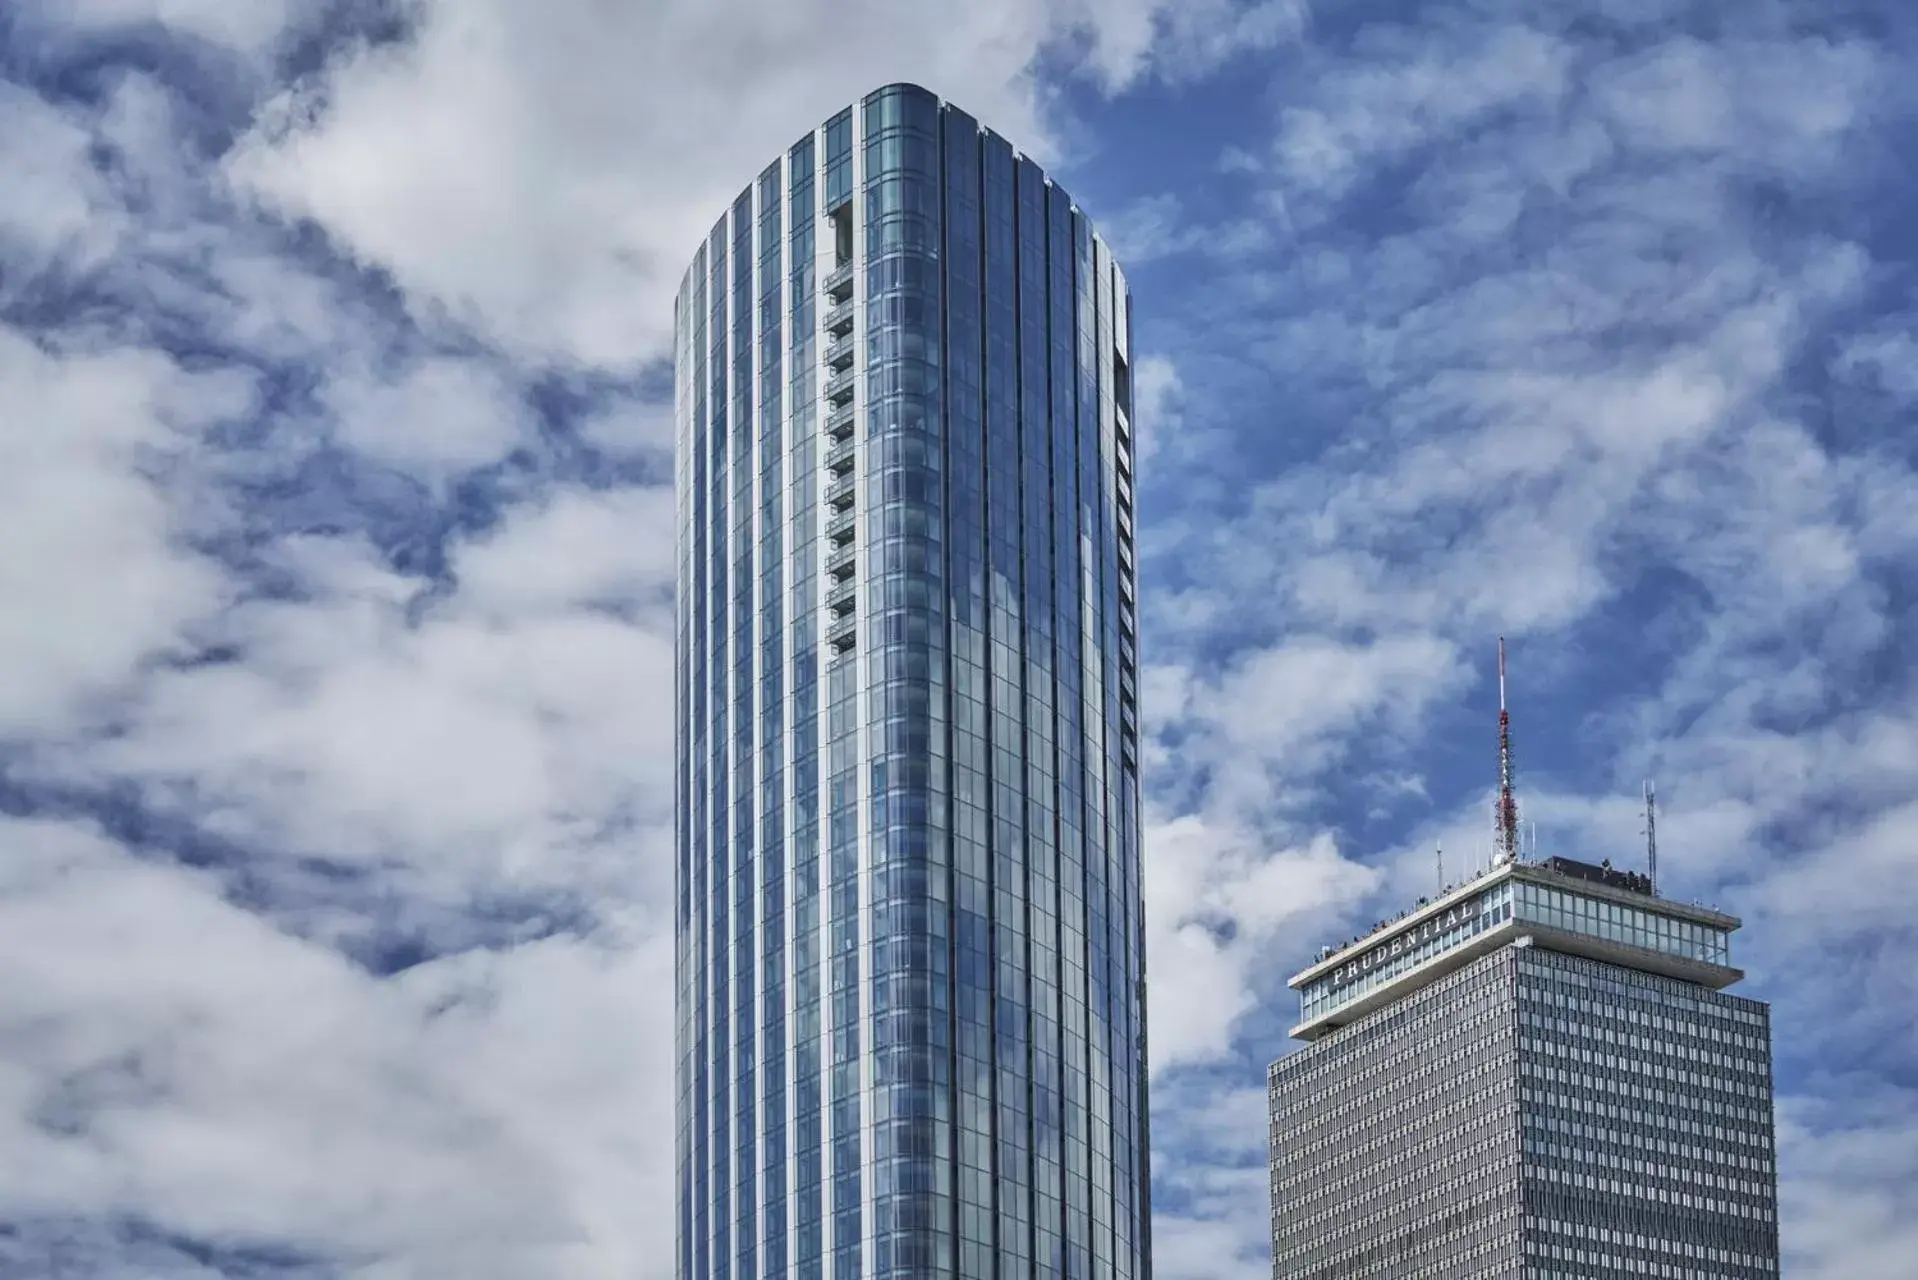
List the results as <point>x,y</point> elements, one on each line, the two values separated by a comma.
<point>911,1034</point>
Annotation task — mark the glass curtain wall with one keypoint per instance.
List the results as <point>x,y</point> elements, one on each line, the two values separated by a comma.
<point>910,952</point>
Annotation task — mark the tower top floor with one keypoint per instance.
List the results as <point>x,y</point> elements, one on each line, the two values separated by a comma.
<point>1558,903</point>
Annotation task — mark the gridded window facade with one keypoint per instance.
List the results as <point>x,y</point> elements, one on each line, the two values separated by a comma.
<point>1646,1122</point>
<point>1535,1115</point>
<point>1395,1142</point>
<point>911,1038</point>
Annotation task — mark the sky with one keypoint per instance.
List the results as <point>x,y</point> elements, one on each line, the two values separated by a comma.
<point>336,563</point>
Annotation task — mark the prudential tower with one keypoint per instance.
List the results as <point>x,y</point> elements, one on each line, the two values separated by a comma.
<point>911,1036</point>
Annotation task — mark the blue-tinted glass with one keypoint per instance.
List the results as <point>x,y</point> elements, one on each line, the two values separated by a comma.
<point>910,1026</point>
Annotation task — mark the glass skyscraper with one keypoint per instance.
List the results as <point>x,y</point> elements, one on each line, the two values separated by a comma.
<point>911,1035</point>
<point>1537,1076</point>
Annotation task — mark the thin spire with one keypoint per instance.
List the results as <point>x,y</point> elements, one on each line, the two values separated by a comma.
<point>1651,836</point>
<point>1506,814</point>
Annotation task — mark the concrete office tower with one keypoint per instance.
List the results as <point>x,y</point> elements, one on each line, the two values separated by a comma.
<point>911,1022</point>
<point>1536,1075</point>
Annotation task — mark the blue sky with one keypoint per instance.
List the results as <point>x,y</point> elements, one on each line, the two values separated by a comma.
<point>335,551</point>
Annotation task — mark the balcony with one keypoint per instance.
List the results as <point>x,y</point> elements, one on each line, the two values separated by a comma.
<point>840,562</point>
<point>840,352</point>
<point>839,387</point>
<point>839,422</point>
<point>840,457</point>
<point>841,597</point>
<point>840,528</point>
<point>839,282</point>
<point>843,634</point>
<point>840,493</point>
<point>839,319</point>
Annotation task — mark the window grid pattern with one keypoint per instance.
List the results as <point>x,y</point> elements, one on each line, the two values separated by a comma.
<point>1535,1115</point>
<point>1646,1122</point>
<point>910,1036</point>
<point>1394,1142</point>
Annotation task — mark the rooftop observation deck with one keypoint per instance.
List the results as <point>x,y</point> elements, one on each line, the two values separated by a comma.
<point>1559,903</point>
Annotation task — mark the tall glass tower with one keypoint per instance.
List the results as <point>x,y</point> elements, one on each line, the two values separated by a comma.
<point>911,1036</point>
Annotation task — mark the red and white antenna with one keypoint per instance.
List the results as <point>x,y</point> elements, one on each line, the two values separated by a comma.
<point>1506,813</point>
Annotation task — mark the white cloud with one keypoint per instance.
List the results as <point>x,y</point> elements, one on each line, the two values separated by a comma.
<point>1889,357</point>
<point>489,1116</point>
<point>54,209</point>
<point>1785,100</point>
<point>1215,1177</point>
<point>544,174</point>
<point>520,746</point>
<point>631,428</point>
<point>577,549</point>
<point>1269,721</point>
<point>438,416</point>
<point>1386,106</point>
<point>1125,38</point>
<point>251,27</point>
<point>1849,1192</point>
<point>1216,901</point>
<point>1146,229</point>
<point>1155,393</point>
<point>92,563</point>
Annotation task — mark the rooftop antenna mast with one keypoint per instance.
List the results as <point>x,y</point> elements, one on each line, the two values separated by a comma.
<point>1651,835</point>
<point>1439,848</point>
<point>1506,842</point>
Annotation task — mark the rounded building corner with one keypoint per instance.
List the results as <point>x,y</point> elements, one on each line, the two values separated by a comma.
<point>902,88</point>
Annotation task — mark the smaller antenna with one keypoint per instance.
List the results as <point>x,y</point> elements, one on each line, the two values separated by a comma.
<point>1505,813</point>
<point>1651,836</point>
<point>1439,847</point>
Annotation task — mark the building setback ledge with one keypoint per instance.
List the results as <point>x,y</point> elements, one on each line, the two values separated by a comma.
<point>1713,976</point>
